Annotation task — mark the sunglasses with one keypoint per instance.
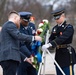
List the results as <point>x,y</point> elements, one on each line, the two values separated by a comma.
<point>56,17</point>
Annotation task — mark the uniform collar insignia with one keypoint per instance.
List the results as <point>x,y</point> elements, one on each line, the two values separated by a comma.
<point>54,30</point>
<point>62,25</point>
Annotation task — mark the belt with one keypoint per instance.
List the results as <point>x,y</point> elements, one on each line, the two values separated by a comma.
<point>62,46</point>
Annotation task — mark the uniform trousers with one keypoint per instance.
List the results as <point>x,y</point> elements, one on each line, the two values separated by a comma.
<point>9,67</point>
<point>66,70</point>
<point>26,69</point>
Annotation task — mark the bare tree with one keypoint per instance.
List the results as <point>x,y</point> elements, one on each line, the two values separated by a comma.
<point>2,10</point>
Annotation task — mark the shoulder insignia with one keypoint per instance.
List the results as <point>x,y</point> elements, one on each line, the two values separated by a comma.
<point>69,26</point>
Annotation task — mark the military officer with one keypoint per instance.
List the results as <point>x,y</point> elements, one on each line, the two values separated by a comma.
<point>61,36</point>
<point>26,68</point>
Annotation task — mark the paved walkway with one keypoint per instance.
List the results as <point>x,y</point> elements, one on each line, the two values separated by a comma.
<point>49,69</point>
<point>49,66</point>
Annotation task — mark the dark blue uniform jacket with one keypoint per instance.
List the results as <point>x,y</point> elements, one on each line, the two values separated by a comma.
<point>25,46</point>
<point>62,35</point>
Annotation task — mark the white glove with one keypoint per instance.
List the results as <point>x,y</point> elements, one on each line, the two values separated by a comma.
<point>46,46</point>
